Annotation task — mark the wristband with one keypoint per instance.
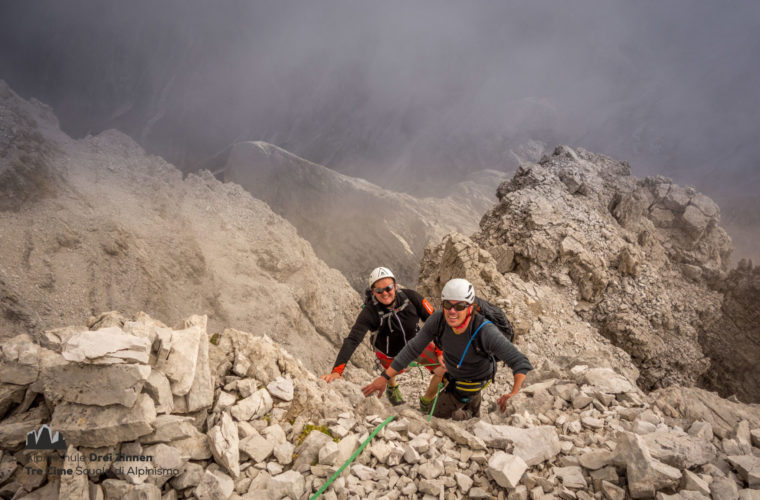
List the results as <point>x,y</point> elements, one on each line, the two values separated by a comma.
<point>385,375</point>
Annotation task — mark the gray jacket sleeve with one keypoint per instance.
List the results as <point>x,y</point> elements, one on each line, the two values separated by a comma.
<point>495,343</point>
<point>414,347</point>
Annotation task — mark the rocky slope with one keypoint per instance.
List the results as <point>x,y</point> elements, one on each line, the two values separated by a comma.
<point>354,225</point>
<point>232,415</point>
<point>643,263</point>
<point>96,224</point>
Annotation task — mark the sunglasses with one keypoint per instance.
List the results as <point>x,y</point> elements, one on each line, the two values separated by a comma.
<point>382,290</point>
<point>459,306</point>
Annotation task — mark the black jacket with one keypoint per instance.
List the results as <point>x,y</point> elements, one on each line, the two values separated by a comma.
<point>395,325</point>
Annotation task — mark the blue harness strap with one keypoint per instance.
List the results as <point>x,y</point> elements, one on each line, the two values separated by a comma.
<point>470,342</point>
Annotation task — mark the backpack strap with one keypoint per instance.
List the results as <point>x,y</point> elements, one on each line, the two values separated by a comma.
<point>470,342</point>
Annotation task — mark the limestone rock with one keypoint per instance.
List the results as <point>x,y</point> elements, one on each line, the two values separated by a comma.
<point>257,448</point>
<point>10,394</point>
<point>607,381</point>
<point>748,467</point>
<point>645,474</point>
<point>201,393</point>
<point>115,489</point>
<point>506,469</point>
<point>308,450</point>
<point>214,485</point>
<point>91,384</point>
<point>224,444</point>
<point>191,476</point>
<point>157,386</point>
<point>106,346</point>
<point>256,405</point>
<point>178,358</point>
<point>692,404</point>
<point>19,360</point>
<point>75,486</point>
<point>95,427</point>
<point>281,388</point>
<point>288,484</point>
<point>458,434</point>
<point>680,451</point>
<point>532,445</point>
<point>571,477</point>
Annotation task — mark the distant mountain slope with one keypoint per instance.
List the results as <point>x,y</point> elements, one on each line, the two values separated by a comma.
<point>352,224</point>
<point>94,225</point>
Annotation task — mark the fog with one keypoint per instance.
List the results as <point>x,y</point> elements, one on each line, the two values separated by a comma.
<point>405,93</point>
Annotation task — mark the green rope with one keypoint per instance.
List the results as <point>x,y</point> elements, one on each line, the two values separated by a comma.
<point>414,363</point>
<point>418,365</point>
<point>353,457</point>
<point>435,401</point>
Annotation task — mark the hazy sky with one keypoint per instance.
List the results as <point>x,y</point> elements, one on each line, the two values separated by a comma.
<point>413,86</point>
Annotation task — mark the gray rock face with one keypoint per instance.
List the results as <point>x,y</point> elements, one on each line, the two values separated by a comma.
<point>104,426</point>
<point>325,205</point>
<point>580,425</point>
<point>186,245</point>
<point>614,245</point>
<point>731,343</point>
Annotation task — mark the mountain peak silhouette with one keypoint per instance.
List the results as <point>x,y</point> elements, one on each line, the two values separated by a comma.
<point>43,439</point>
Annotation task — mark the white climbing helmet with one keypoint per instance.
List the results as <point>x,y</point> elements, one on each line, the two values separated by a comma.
<point>379,273</point>
<point>458,289</point>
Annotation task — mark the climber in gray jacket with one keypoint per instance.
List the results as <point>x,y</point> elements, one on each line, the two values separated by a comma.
<point>471,345</point>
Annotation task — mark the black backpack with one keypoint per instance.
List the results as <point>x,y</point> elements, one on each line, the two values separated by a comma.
<point>496,316</point>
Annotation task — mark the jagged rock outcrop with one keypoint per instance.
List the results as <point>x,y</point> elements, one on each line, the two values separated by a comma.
<point>354,225</point>
<point>733,342</point>
<point>639,261</point>
<point>97,224</point>
<point>574,431</point>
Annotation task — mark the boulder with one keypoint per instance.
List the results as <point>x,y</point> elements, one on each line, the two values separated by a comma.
<point>533,445</point>
<point>258,448</point>
<point>256,405</point>
<point>74,486</point>
<point>91,384</point>
<point>224,444</point>
<point>214,486</point>
<point>115,489</point>
<point>106,346</point>
<point>505,469</point>
<point>97,426</point>
<point>178,358</point>
<point>681,451</point>
<point>19,360</point>
<point>645,474</point>
<point>748,467</point>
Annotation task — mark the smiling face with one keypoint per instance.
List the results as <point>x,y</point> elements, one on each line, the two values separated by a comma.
<point>454,318</point>
<point>387,288</point>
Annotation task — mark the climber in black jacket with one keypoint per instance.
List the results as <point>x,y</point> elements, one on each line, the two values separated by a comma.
<point>394,314</point>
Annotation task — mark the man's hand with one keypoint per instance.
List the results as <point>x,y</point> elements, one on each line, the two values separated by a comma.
<point>503,401</point>
<point>377,385</point>
<point>440,371</point>
<point>331,376</point>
